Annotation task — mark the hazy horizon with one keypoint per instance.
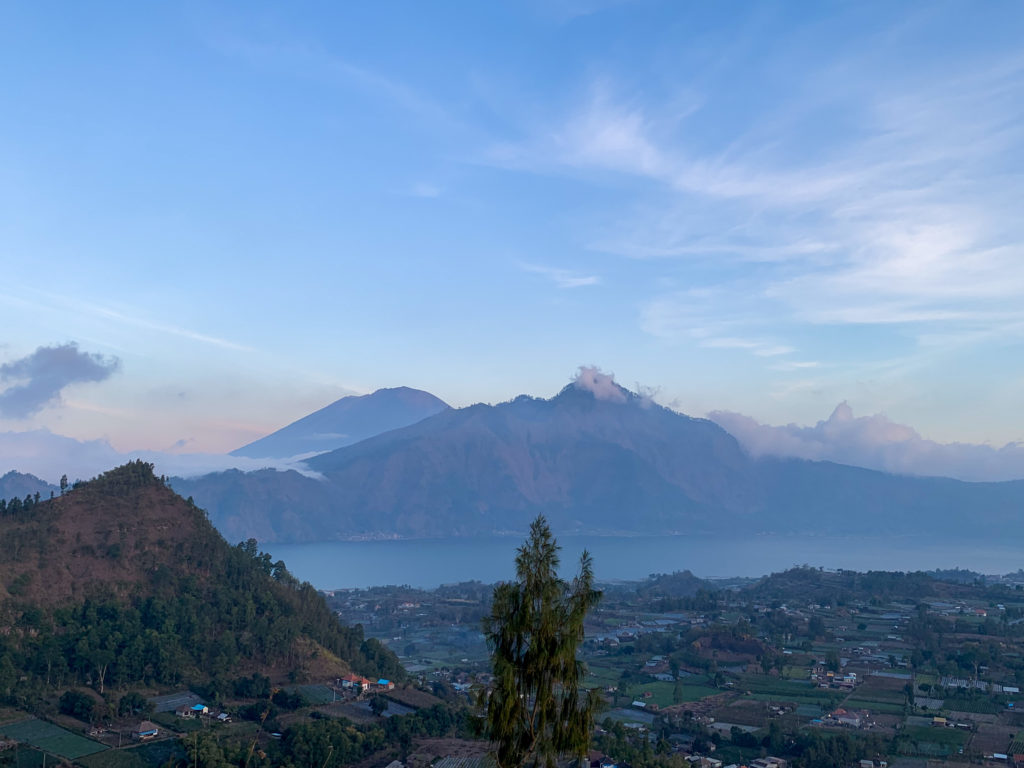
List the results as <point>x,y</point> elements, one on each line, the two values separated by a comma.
<point>873,442</point>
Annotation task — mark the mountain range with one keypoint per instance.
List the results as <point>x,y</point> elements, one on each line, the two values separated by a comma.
<point>593,460</point>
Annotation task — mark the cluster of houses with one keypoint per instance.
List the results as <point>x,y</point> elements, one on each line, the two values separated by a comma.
<point>361,684</point>
<point>846,718</point>
<point>826,678</point>
<point>631,630</point>
<point>201,710</point>
<point>699,761</point>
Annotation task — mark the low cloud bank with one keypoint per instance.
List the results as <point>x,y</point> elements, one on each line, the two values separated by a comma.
<point>48,456</point>
<point>874,442</point>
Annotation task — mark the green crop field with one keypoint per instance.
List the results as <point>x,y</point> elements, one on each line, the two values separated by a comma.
<point>114,758</point>
<point>874,706</point>
<point>314,694</point>
<point>151,755</point>
<point>775,685</point>
<point>602,676</point>
<point>981,706</point>
<point>798,700</point>
<point>865,693</point>
<point>955,736</point>
<point>25,757</point>
<point>51,738</point>
<point>663,693</point>
<point>774,689</point>
<point>930,741</point>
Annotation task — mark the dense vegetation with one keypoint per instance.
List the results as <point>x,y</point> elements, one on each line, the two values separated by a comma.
<point>157,597</point>
<point>329,741</point>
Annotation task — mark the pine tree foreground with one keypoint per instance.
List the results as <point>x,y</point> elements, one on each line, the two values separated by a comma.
<point>537,711</point>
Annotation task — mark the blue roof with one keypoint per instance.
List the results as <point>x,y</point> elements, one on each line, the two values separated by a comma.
<point>382,681</point>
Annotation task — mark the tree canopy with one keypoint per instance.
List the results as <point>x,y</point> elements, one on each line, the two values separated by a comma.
<point>537,710</point>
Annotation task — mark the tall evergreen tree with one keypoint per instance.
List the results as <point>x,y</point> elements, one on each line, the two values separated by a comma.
<point>537,710</point>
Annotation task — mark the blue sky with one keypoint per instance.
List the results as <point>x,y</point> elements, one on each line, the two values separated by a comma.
<point>765,208</point>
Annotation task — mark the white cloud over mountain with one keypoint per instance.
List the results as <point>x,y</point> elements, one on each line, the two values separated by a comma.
<point>874,442</point>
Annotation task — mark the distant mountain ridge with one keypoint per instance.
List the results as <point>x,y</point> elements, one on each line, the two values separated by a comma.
<point>345,422</point>
<point>21,484</point>
<point>593,460</point>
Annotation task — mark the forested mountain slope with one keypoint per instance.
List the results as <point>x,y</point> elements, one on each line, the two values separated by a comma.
<point>121,582</point>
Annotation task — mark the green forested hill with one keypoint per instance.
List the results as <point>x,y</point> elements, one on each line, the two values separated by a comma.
<point>121,582</point>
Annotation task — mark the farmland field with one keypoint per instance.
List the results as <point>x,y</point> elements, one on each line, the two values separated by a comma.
<point>953,736</point>
<point>930,741</point>
<point>51,738</point>
<point>978,705</point>
<point>114,758</point>
<point>663,693</point>
<point>25,757</point>
<point>150,755</point>
<point>874,706</point>
<point>314,694</point>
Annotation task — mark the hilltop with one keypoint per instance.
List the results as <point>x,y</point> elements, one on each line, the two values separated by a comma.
<point>122,582</point>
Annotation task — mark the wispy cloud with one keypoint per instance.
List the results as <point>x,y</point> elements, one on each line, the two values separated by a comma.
<point>759,347</point>
<point>174,330</point>
<point>796,365</point>
<point>693,315</point>
<point>906,220</point>
<point>134,319</point>
<point>311,60</point>
<point>563,278</point>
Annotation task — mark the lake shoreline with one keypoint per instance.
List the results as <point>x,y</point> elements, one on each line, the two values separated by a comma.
<point>428,563</point>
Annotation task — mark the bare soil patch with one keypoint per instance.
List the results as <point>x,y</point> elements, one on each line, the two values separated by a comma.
<point>413,697</point>
<point>992,738</point>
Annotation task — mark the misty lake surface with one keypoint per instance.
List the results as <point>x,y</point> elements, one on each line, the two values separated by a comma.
<point>427,563</point>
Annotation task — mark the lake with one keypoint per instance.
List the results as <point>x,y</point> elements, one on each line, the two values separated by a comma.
<point>431,562</point>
